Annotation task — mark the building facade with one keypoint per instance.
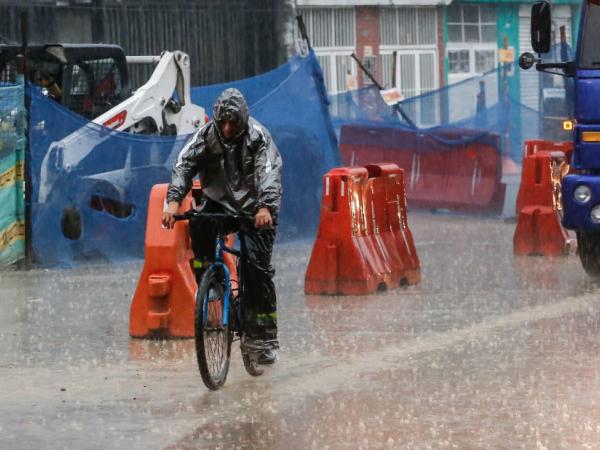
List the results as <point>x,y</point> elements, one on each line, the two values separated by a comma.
<point>225,40</point>
<point>436,42</point>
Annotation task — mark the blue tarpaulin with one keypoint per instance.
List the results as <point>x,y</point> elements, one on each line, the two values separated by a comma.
<point>469,111</point>
<point>91,185</point>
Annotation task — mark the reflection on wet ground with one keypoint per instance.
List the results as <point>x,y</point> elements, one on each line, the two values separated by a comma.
<point>489,351</point>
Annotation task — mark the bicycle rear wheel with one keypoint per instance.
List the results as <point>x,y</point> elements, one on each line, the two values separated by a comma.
<point>250,360</point>
<point>213,337</point>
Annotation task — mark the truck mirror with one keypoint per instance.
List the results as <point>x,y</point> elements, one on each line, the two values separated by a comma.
<point>526,61</point>
<point>541,26</point>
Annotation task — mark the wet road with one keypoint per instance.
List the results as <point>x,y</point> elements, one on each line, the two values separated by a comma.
<point>489,351</point>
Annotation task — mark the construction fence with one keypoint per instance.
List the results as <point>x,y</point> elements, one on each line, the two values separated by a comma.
<point>12,201</point>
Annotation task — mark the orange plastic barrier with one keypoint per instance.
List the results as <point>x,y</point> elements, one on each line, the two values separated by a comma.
<point>363,243</point>
<point>539,230</point>
<point>164,300</point>
<point>537,145</point>
<point>459,177</point>
<point>391,222</point>
<point>395,219</point>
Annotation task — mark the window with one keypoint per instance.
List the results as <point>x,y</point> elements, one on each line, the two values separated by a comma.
<point>95,87</point>
<point>459,61</point>
<point>472,40</point>
<point>80,84</point>
<point>332,33</point>
<point>472,23</point>
<point>485,60</point>
<point>412,34</point>
<point>408,26</point>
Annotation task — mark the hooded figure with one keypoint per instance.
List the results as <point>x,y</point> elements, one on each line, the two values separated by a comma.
<point>239,168</point>
<point>242,172</point>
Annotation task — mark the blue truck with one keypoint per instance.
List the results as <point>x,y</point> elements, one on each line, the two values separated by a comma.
<point>581,188</point>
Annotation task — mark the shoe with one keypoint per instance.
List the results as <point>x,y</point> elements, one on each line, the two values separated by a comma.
<point>268,357</point>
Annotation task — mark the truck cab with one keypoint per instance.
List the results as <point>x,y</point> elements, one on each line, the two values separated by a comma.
<point>581,188</point>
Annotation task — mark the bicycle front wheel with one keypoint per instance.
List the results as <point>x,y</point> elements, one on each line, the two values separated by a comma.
<point>213,337</point>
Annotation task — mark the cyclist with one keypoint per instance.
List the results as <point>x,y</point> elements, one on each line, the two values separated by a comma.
<point>239,168</point>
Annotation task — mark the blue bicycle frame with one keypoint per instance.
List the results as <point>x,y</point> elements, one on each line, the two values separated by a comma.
<point>220,263</point>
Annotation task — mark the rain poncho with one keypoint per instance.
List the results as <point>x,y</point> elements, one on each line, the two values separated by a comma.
<point>242,174</point>
<point>239,175</point>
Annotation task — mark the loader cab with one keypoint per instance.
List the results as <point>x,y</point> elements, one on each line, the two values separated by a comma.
<point>88,79</point>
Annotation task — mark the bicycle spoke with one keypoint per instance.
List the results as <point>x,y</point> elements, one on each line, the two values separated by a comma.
<point>215,335</point>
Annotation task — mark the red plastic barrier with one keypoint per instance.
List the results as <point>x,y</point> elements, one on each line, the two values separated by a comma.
<point>463,177</point>
<point>339,261</point>
<point>359,247</point>
<point>474,174</point>
<point>164,300</point>
<point>539,231</point>
<point>398,222</point>
<point>537,145</point>
<point>391,220</point>
<point>428,180</point>
<point>375,202</point>
<point>378,255</point>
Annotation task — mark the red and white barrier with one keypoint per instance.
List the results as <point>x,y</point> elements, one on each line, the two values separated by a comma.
<point>459,177</point>
<point>364,243</point>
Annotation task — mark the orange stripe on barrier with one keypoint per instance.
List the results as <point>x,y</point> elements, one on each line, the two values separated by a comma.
<point>363,243</point>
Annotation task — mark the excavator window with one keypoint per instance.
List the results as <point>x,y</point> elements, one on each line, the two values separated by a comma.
<point>8,72</point>
<point>95,87</point>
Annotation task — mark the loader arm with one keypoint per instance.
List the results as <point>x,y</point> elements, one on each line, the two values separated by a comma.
<point>163,104</point>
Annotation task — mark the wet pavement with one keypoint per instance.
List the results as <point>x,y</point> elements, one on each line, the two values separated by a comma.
<point>488,351</point>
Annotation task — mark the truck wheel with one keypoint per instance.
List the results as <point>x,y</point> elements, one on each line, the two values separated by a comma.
<point>588,245</point>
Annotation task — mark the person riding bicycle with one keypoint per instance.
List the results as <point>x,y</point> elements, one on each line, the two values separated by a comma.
<point>239,167</point>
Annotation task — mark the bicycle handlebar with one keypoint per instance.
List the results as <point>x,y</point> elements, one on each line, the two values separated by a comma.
<point>192,213</point>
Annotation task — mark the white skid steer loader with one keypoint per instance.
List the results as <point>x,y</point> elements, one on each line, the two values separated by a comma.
<point>162,106</point>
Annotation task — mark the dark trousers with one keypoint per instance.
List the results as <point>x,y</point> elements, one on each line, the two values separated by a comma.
<point>259,305</point>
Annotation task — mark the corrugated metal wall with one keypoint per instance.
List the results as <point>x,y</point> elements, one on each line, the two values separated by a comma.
<point>226,40</point>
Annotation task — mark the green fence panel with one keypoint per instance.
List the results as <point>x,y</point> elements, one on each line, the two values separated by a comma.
<point>12,200</point>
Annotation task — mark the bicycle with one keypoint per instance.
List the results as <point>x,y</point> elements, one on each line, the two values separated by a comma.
<point>218,320</point>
